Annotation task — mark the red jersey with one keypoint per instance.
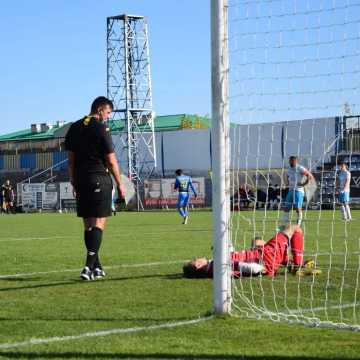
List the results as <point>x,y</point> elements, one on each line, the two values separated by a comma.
<point>274,253</point>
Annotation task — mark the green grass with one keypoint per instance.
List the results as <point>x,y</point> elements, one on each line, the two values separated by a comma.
<point>48,304</point>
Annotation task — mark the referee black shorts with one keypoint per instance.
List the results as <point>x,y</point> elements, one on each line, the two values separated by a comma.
<point>94,196</point>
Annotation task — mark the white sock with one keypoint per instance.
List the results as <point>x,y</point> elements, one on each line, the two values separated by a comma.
<point>299,218</point>
<point>343,212</point>
<point>348,212</point>
<point>286,217</point>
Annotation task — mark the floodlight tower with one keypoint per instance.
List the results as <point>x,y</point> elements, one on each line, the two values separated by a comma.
<point>129,87</point>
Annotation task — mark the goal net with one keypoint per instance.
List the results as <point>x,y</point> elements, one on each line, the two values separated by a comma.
<point>294,91</point>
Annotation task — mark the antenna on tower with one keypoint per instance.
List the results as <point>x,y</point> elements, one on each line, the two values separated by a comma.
<point>129,87</point>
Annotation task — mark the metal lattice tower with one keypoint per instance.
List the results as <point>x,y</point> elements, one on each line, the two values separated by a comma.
<point>129,87</point>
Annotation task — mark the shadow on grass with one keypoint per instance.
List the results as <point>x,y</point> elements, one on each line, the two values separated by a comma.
<point>38,286</point>
<point>20,279</point>
<point>155,356</point>
<point>90,283</point>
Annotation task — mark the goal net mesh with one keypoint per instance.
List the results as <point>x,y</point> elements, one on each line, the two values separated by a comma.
<point>294,90</point>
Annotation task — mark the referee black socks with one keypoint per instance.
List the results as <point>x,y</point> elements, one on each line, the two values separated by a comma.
<point>93,239</point>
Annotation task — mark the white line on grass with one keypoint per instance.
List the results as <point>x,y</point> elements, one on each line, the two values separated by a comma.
<point>323,308</point>
<point>123,234</point>
<point>101,333</point>
<point>8,276</point>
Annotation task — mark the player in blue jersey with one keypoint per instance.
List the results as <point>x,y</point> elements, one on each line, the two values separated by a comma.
<point>183,184</point>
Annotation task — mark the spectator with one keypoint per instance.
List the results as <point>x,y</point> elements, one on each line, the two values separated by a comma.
<point>8,197</point>
<point>270,196</point>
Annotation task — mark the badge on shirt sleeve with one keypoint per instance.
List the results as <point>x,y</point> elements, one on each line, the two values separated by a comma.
<point>87,120</point>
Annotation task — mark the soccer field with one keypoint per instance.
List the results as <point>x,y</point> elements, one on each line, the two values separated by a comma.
<point>123,316</point>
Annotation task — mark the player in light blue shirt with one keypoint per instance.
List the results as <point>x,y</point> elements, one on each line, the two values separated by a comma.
<point>344,191</point>
<point>183,184</point>
<point>297,177</point>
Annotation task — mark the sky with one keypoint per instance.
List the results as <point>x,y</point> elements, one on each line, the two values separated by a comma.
<point>293,60</point>
<point>289,59</point>
<point>53,57</point>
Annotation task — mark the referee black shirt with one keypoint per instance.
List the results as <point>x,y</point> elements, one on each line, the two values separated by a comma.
<point>90,140</point>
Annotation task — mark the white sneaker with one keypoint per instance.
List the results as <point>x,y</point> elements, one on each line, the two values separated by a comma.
<point>86,274</point>
<point>99,273</point>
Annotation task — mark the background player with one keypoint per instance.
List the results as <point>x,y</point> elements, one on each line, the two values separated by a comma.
<point>91,157</point>
<point>263,258</point>
<point>8,197</point>
<point>183,183</point>
<point>344,191</point>
<point>297,177</point>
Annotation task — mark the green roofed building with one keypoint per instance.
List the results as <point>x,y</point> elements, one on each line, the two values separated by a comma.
<point>170,122</point>
<point>41,132</point>
<point>42,145</point>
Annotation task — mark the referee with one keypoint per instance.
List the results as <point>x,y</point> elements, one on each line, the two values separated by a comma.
<point>91,160</point>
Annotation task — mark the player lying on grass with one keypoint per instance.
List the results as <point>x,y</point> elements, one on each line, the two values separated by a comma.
<point>264,258</point>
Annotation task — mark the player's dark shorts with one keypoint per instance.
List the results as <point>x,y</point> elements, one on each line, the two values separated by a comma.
<point>93,196</point>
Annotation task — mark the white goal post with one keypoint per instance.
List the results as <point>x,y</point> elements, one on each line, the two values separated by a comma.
<point>220,156</point>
